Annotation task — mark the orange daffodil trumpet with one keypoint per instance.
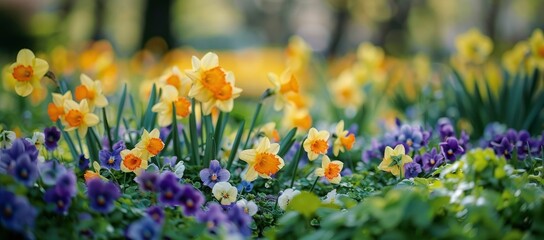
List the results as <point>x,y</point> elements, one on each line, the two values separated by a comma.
<point>78,116</point>
<point>26,72</point>
<point>316,144</point>
<point>212,86</point>
<point>55,110</point>
<point>344,140</point>
<point>91,91</point>
<point>394,160</point>
<point>150,144</point>
<point>133,161</point>
<point>164,106</point>
<point>286,85</point>
<point>330,170</point>
<point>262,161</point>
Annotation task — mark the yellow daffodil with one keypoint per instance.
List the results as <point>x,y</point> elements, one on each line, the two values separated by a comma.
<point>284,86</point>
<point>176,79</point>
<point>78,116</point>
<point>262,161</point>
<point>330,170</point>
<point>91,91</point>
<point>473,46</point>
<point>298,53</point>
<point>55,110</point>
<point>537,47</point>
<point>316,144</point>
<point>370,55</point>
<point>164,106</point>
<point>26,72</point>
<point>89,174</point>
<point>269,130</point>
<point>394,160</point>
<point>346,91</point>
<point>344,140</point>
<point>294,117</point>
<point>133,161</point>
<point>212,86</point>
<point>150,144</point>
<point>514,59</point>
<point>298,100</point>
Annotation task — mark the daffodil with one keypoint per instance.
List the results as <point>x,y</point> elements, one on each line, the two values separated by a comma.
<point>90,174</point>
<point>225,193</point>
<point>330,170</point>
<point>298,53</point>
<point>344,140</point>
<point>295,117</point>
<point>394,160</point>
<point>285,85</point>
<point>150,144</point>
<point>164,106</point>
<point>262,161</point>
<point>91,91</point>
<point>346,91</point>
<point>513,60</point>
<point>78,116</point>
<point>26,72</point>
<point>316,144</point>
<point>473,46</point>
<point>176,79</point>
<point>55,110</point>
<point>133,161</point>
<point>370,55</point>
<point>269,130</point>
<point>537,47</point>
<point>212,86</point>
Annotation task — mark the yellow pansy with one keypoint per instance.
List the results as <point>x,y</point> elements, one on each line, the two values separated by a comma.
<point>55,110</point>
<point>394,160</point>
<point>26,72</point>
<point>285,85</point>
<point>473,46</point>
<point>316,144</point>
<point>262,161</point>
<point>330,170</point>
<point>344,140</point>
<point>91,91</point>
<point>150,143</point>
<point>164,106</point>
<point>346,91</point>
<point>133,161</point>
<point>212,86</point>
<point>537,47</point>
<point>78,116</point>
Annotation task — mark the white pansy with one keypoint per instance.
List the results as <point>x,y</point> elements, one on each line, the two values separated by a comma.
<point>286,197</point>
<point>249,206</point>
<point>38,139</point>
<point>225,193</point>
<point>332,197</point>
<point>6,139</point>
<point>179,169</point>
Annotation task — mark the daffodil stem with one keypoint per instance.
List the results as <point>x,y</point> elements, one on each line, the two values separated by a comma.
<point>79,142</point>
<point>296,160</point>
<point>107,128</point>
<point>315,182</point>
<point>252,124</point>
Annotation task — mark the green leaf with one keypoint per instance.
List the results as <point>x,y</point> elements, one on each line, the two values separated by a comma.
<point>120,111</point>
<point>306,203</point>
<point>193,134</point>
<point>149,115</point>
<point>174,133</point>
<point>287,141</point>
<point>68,139</point>
<point>235,145</point>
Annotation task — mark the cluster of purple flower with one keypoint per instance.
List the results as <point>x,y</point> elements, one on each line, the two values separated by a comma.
<point>112,159</point>
<point>16,213</point>
<point>510,142</point>
<point>61,194</point>
<point>232,218</point>
<point>20,161</point>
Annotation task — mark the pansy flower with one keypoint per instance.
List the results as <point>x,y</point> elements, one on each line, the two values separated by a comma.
<point>344,140</point>
<point>27,72</point>
<point>285,198</point>
<point>133,161</point>
<point>451,148</point>
<point>213,217</point>
<point>156,213</point>
<point>38,139</point>
<point>225,193</point>
<point>144,228</point>
<point>58,198</point>
<point>431,160</point>
<point>50,171</point>
<point>102,195</point>
<point>25,170</point>
<point>91,91</point>
<point>16,213</point>
<point>262,161</point>
<point>168,187</point>
<point>249,207</point>
<point>52,137</point>
<point>78,117</point>
<point>214,174</point>
<point>240,219</point>
<point>190,199</point>
<point>6,139</point>
<point>330,170</point>
<point>316,144</point>
<point>411,169</point>
<point>147,181</point>
<point>394,160</point>
<point>150,144</point>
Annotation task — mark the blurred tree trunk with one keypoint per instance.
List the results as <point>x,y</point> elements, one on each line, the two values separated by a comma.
<point>342,19</point>
<point>158,21</point>
<point>491,19</point>
<point>99,18</point>
<point>395,29</point>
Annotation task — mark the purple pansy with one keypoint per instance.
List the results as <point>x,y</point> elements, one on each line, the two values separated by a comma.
<point>213,217</point>
<point>411,169</point>
<point>431,159</point>
<point>112,159</point>
<point>102,195</point>
<point>25,171</point>
<point>50,171</point>
<point>451,149</point>
<point>190,199</point>
<point>156,213</point>
<point>144,229</point>
<point>67,182</point>
<point>504,148</point>
<point>60,198</point>
<point>240,219</point>
<point>168,186</point>
<point>83,163</point>
<point>16,213</point>
<point>147,181</point>
<point>52,137</point>
<point>245,186</point>
<point>214,174</point>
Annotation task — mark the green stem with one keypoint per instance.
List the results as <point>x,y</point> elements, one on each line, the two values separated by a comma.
<point>296,160</point>
<point>315,182</point>
<point>266,94</point>
<point>79,142</point>
<point>107,128</point>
